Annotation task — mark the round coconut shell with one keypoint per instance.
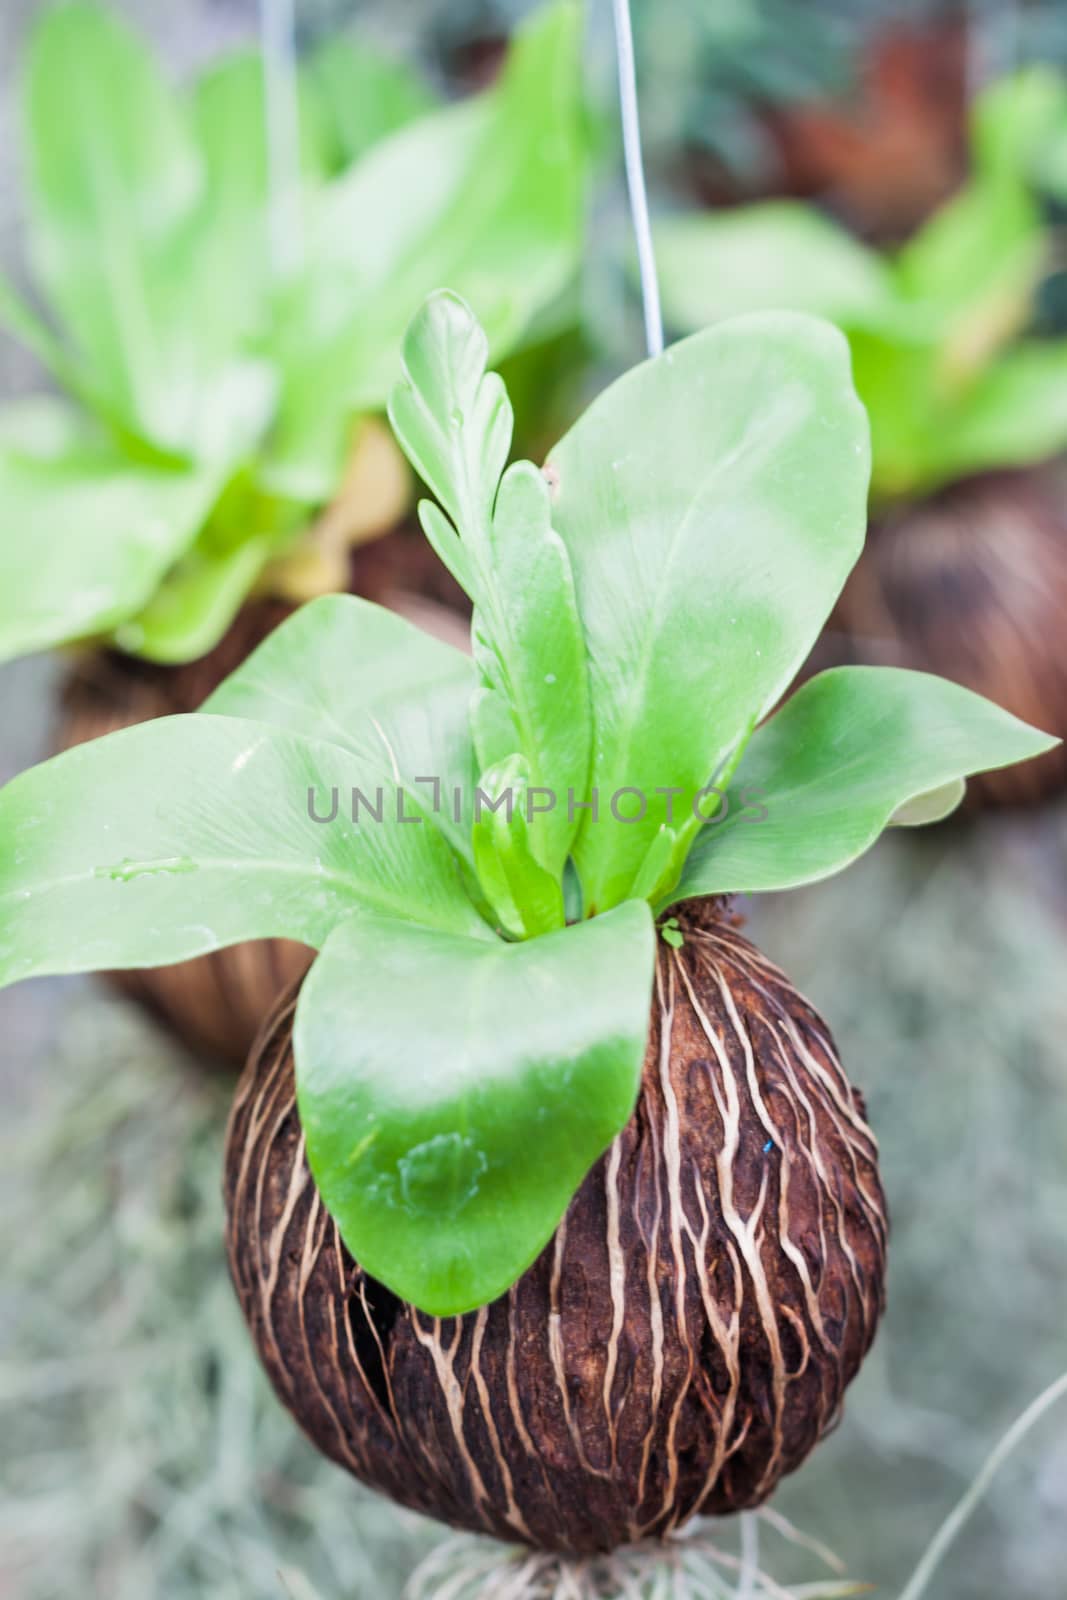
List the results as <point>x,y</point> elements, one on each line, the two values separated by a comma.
<point>972,585</point>
<point>684,1340</point>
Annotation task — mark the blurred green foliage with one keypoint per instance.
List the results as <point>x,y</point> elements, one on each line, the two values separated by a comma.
<point>941,330</point>
<point>220,324</point>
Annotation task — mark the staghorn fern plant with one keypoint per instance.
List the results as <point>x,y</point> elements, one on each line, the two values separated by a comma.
<point>542,1224</point>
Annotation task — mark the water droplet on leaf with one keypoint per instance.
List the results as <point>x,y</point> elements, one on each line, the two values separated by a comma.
<point>439,1177</point>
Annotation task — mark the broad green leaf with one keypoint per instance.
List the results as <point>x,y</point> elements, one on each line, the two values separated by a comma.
<point>23,324</point>
<point>454,421</point>
<point>926,432</point>
<point>454,1092</point>
<point>778,256</point>
<point>231,247</point>
<point>358,676</point>
<point>924,329</point>
<point>820,781</point>
<point>485,196</point>
<point>1014,414</point>
<point>40,426</point>
<point>185,834</point>
<point>88,535</point>
<point>199,596</point>
<point>713,502</point>
<point>229,116</point>
<point>144,239</point>
<point>903,393</point>
<point>113,178</point>
<point>527,899</point>
<point>195,604</point>
<point>1013,121</point>
<point>934,806</point>
<point>36,336</point>
<point>362,97</point>
<point>972,271</point>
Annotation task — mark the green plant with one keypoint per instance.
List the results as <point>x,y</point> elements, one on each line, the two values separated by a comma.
<point>220,337</point>
<point>941,355</point>
<point>639,609</point>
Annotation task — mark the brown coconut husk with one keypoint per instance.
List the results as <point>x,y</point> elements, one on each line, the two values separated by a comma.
<point>972,585</point>
<point>216,1003</point>
<point>684,1340</point>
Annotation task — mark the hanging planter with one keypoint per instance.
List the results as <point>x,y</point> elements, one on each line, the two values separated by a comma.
<point>965,571</point>
<point>551,1209</point>
<point>227,335</point>
<point>684,1340</point>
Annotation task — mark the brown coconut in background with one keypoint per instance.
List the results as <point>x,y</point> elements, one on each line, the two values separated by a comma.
<point>971,584</point>
<point>684,1340</point>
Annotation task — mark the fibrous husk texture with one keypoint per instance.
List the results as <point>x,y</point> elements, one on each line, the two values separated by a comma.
<point>684,1339</point>
<point>972,585</point>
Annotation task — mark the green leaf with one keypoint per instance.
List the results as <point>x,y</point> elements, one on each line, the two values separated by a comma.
<point>446,1145</point>
<point>355,675</point>
<point>229,118</point>
<point>231,249</point>
<point>973,269</point>
<point>34,335</point>
<point>452,417</point>
<point>1015,119</point>
<point>144,239</point>
<point>901,388</point>
<point>925,330</point>
<point>926,432</point>
<point>526,898</point>
<point>88,537</point>
<point>713,502</point>
<point>113,179</point>
<point>40,426</point>
<point>1015,414</point>
<point>830,770</point>
<point>486,196</point>
<point>779,255</point>
<point>185,834</point>
<point>933,806</point>
<point>362,96</point>
<point>195,604</point>
<point>454,422</point>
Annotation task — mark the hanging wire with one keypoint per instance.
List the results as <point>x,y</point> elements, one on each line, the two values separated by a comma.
<point>277,19</point>
<point>635,175</point>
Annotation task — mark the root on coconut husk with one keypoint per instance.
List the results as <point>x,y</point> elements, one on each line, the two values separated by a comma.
<point>216,1003</point>
<point>684,1340</point>
<point>972,585</point>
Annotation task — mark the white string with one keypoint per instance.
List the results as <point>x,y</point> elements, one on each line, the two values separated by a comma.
<point>282,110</point>
<point>945,1535</point>
<point>635,175</point>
